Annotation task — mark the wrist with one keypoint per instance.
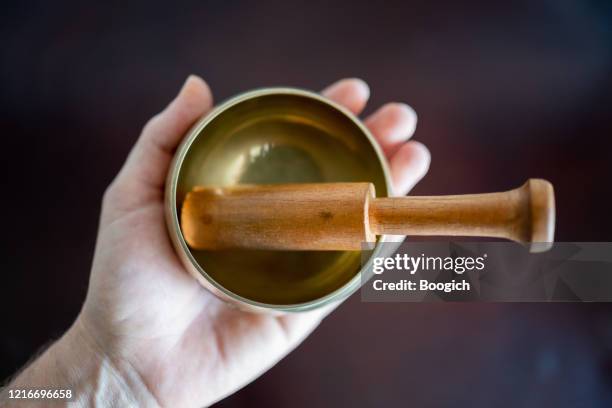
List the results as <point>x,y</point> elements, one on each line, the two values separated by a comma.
<point>76,362</point>
<point>112,381</point>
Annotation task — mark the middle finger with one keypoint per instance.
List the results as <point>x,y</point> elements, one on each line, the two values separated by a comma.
<point>392,125</point>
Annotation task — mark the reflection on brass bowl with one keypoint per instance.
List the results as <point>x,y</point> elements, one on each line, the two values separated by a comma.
<point>274,135</point>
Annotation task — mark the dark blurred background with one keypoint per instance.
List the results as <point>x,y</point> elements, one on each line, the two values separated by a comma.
<point>504,91</point>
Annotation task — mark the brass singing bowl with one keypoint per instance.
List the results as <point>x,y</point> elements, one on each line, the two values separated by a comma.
<point>274,135</point>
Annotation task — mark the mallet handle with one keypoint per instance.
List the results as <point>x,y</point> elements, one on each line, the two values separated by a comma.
<point>525,214</point>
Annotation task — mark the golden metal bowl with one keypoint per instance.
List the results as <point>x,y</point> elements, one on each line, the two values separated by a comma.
<point>274,135</point>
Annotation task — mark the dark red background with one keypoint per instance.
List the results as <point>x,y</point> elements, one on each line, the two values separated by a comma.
<point>504,92</point>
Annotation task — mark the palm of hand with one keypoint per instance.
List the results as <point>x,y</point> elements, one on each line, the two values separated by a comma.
<point>142,307</point>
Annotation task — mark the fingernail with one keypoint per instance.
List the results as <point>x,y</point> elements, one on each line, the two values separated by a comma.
<point>191,79</point>
<point>362,86</point>
<point>425,155</point>
<point>409,111</point>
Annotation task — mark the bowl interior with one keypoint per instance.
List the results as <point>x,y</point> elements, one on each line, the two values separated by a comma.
<point>269,137</point>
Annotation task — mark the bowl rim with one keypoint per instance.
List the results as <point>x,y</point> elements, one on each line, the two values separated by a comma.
<point>172,216</point>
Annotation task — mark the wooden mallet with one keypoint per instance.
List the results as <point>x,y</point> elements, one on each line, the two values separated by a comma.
<point>341,216</point>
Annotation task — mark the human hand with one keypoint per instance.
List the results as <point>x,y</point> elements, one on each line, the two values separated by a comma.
<point>162,337</point>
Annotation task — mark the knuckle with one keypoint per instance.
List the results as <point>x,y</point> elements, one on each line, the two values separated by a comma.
<point>151,124</point>
<point>110,194</point>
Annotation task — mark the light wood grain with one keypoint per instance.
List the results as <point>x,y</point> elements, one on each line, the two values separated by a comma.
<point>290,216</point>
<point>341,216</point>
<point>525,214</point>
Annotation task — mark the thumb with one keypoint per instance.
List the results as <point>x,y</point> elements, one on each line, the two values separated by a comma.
<point>141,178</point>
